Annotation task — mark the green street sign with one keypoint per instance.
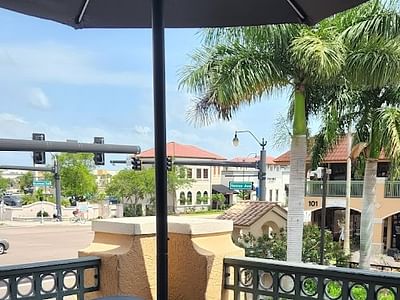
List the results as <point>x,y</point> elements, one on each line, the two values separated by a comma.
<point>41,183</point>
<point>235,185</point>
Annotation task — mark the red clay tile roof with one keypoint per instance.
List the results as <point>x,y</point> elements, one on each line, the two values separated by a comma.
<point>270,159</point>
<point>183,151</point>
<point>246,213</point>
<point>337,155</point>
<point>283,158</point>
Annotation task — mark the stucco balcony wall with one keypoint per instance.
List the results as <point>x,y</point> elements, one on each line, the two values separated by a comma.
<point>127,247</point>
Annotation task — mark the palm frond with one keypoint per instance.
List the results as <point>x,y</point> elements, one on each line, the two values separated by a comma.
<point>375,63</point>
<point>318,55</point>
<point>389,125</point>
<point>371,20</point>
<point>227,76</point>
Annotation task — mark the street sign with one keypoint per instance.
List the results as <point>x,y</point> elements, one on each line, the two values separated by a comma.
<point>236,185</point>
<point>41,183</point>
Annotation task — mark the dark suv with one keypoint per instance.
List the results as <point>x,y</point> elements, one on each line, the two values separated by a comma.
<point>12,201</point>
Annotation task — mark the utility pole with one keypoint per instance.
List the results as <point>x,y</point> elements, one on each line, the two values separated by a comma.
<point>323,215</point>
<point>346,242</point>
<point>57,185</point>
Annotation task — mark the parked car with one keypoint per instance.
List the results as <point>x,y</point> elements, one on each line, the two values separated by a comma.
<point>4,245</point>
<point>12,200</point>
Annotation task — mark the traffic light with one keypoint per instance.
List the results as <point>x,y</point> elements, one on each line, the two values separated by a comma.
<point>136,163</point>
<point>39,158</point>
<point>169,163</point>
<point>99,156</point>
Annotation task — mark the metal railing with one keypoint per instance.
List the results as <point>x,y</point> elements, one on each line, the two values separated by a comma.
<point>386,268</point>
<point>392,189</point>
<point>262,279</point>
<point>334,188</point>
<point>53,279</point>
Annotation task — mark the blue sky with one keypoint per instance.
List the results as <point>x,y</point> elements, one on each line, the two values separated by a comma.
<point>77,84</point>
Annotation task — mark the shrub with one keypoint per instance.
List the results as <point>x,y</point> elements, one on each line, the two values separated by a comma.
<point>39,214</point>
<point>28,199</point>
<point>133,210</point>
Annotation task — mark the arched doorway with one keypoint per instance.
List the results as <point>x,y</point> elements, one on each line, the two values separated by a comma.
<point>391,231</point>
<point>270,228</point>
<point>335,216</point>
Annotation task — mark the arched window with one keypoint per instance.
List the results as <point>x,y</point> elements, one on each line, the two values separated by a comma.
<point>198,198</point>
<point>205,197</point>
<point>182,198</point>
<point>189,198</point>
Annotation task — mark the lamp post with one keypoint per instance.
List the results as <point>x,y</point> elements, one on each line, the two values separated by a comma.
<point>262,163</point>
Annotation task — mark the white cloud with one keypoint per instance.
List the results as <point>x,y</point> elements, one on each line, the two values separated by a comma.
<point>38,99</point>
<point>56,63</point>
<point>142,130</point>
<point>11,118</point>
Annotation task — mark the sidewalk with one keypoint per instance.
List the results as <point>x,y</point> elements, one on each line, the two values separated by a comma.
<point>6,224</point>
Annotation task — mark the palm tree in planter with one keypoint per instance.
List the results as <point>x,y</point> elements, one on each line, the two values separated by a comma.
<point>238,66</point>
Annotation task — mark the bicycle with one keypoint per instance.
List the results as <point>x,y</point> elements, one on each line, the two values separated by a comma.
<point>78,218</point>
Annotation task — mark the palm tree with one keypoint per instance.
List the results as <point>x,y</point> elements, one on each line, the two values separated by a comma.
<point>375,114</point>
<point>238,66</point>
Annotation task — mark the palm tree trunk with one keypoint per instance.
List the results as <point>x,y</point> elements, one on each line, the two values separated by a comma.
<point>298,152</point>
<point>367,213</point>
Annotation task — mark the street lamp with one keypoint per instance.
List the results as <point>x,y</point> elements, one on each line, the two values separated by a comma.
<point>262,165</point>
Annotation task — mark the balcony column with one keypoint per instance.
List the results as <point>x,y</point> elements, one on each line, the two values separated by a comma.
<point>377,238</point>
<point>127,247</point>
<point>389,232</point>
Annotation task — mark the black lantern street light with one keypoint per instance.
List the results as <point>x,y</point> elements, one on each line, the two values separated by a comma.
<point>262,163</point>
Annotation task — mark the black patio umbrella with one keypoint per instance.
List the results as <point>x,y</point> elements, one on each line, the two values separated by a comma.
<point>159,14</point>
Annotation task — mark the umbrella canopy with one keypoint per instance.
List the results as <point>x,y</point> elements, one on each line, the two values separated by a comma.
<point>179,13</point>
<point>174,14</point>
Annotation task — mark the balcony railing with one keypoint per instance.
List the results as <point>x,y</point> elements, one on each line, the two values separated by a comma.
<point>392,189</point>
<point>334,188</point>
<point>60,279</point>
<point>260,279</point>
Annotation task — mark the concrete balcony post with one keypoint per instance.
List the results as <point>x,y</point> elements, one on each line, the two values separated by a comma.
<point>127,249</point>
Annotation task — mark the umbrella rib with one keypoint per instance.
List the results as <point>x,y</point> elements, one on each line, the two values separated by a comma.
<point>296,9</point>
<point>82,12</point>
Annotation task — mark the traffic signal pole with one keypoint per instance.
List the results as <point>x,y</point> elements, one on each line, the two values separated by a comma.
<point>50,146</point>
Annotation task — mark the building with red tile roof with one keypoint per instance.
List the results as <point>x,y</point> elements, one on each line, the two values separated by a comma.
<point>177,150</point>
<point>270,159</point>
<point>338,154</point>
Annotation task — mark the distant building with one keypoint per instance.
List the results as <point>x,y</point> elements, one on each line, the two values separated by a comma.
<point>255,217</point>
<point>103,178</point>
<point>206,179</point>
<point>276,183</point>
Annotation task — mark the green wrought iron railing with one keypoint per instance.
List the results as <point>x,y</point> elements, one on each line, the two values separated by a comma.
<point>334,188</point>
<point>50,280</point>
<point>392,189</point>
<point>262,279</point>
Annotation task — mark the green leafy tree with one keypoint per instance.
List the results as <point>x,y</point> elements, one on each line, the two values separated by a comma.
<point>134,186</point>
<point>76,177</point>
<point>5,183</point>
<point>25,181</point>
<point>219,199</point>
<point>238,66</point>
<point>244,195</point>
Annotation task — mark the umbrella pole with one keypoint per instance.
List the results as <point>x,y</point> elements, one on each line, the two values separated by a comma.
<point>160,147</point>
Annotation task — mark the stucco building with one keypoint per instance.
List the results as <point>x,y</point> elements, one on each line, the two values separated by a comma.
<point>206,180</point>
<point>277,180</point>
<point>386,222</point>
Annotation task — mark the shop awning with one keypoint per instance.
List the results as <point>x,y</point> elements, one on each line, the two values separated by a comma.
<point>223,189</point>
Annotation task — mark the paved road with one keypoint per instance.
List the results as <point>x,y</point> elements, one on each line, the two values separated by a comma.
<point>46,242</point>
